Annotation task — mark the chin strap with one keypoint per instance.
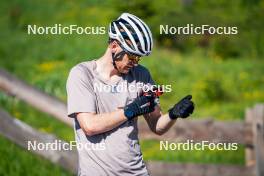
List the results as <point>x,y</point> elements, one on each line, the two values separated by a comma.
<point>118,56</point>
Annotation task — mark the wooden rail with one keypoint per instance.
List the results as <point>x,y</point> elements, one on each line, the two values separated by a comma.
<point>203,129</point>
<point>35,97</point>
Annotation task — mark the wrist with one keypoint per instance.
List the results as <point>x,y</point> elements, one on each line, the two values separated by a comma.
<point>121,114</point>
<point>172,116</point>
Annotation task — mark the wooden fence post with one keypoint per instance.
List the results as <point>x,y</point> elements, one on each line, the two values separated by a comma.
<point>249,150</point>
<point>258,127</point>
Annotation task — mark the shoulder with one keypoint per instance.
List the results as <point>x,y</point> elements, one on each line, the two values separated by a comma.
<point>81,67</point>
<point>78,73</point>
<point>80,70</point>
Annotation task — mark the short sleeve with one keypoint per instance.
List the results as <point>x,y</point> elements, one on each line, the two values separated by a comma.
<point>149,79</point>
<point>80,95</point>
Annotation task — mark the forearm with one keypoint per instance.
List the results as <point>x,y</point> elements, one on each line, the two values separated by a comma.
<point>157,122</point>
<point>100,123</point>
<point>164,123</point>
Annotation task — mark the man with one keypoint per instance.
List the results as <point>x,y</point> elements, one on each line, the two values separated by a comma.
<point>108,119</point>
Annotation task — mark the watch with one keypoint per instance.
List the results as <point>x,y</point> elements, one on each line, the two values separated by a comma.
<point>128,113</point>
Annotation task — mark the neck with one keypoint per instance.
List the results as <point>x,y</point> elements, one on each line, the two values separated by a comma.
<point>105,66</point>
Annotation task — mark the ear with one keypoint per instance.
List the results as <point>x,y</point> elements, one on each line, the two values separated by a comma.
<point>113,46</point>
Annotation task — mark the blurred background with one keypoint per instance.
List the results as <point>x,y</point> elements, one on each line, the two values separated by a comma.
<point>224,73</point>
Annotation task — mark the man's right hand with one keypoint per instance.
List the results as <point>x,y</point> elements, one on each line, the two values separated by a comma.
<point>141,105</point>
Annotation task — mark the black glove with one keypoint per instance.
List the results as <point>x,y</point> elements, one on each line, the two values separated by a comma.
<point>141,105</point>
<point>182,109</point>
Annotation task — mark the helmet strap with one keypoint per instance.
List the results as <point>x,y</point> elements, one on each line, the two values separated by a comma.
<point>117,56</point>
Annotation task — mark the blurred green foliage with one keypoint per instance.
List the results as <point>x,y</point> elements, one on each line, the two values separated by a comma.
<point>211,89</point>
<point>246,15</point>
<point>222,88</point>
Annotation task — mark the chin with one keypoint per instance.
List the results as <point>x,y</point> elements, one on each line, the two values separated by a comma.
<point>125,71</point>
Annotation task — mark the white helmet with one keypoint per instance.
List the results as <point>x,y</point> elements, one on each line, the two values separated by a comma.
<point>129,27</point>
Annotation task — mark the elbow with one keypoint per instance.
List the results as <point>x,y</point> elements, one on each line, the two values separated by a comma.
<point>88,125</point>
<point>159,133</point>
<point>90,130</point>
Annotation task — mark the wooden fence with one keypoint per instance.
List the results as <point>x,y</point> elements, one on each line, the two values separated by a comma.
<point>249,133</point>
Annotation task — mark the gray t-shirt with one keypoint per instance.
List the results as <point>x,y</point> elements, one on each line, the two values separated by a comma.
<point>116,152</point>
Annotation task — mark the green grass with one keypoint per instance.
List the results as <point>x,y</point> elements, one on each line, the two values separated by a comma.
<point>16,161</point>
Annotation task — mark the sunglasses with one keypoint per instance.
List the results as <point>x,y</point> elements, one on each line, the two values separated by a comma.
<point>133,58</point>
